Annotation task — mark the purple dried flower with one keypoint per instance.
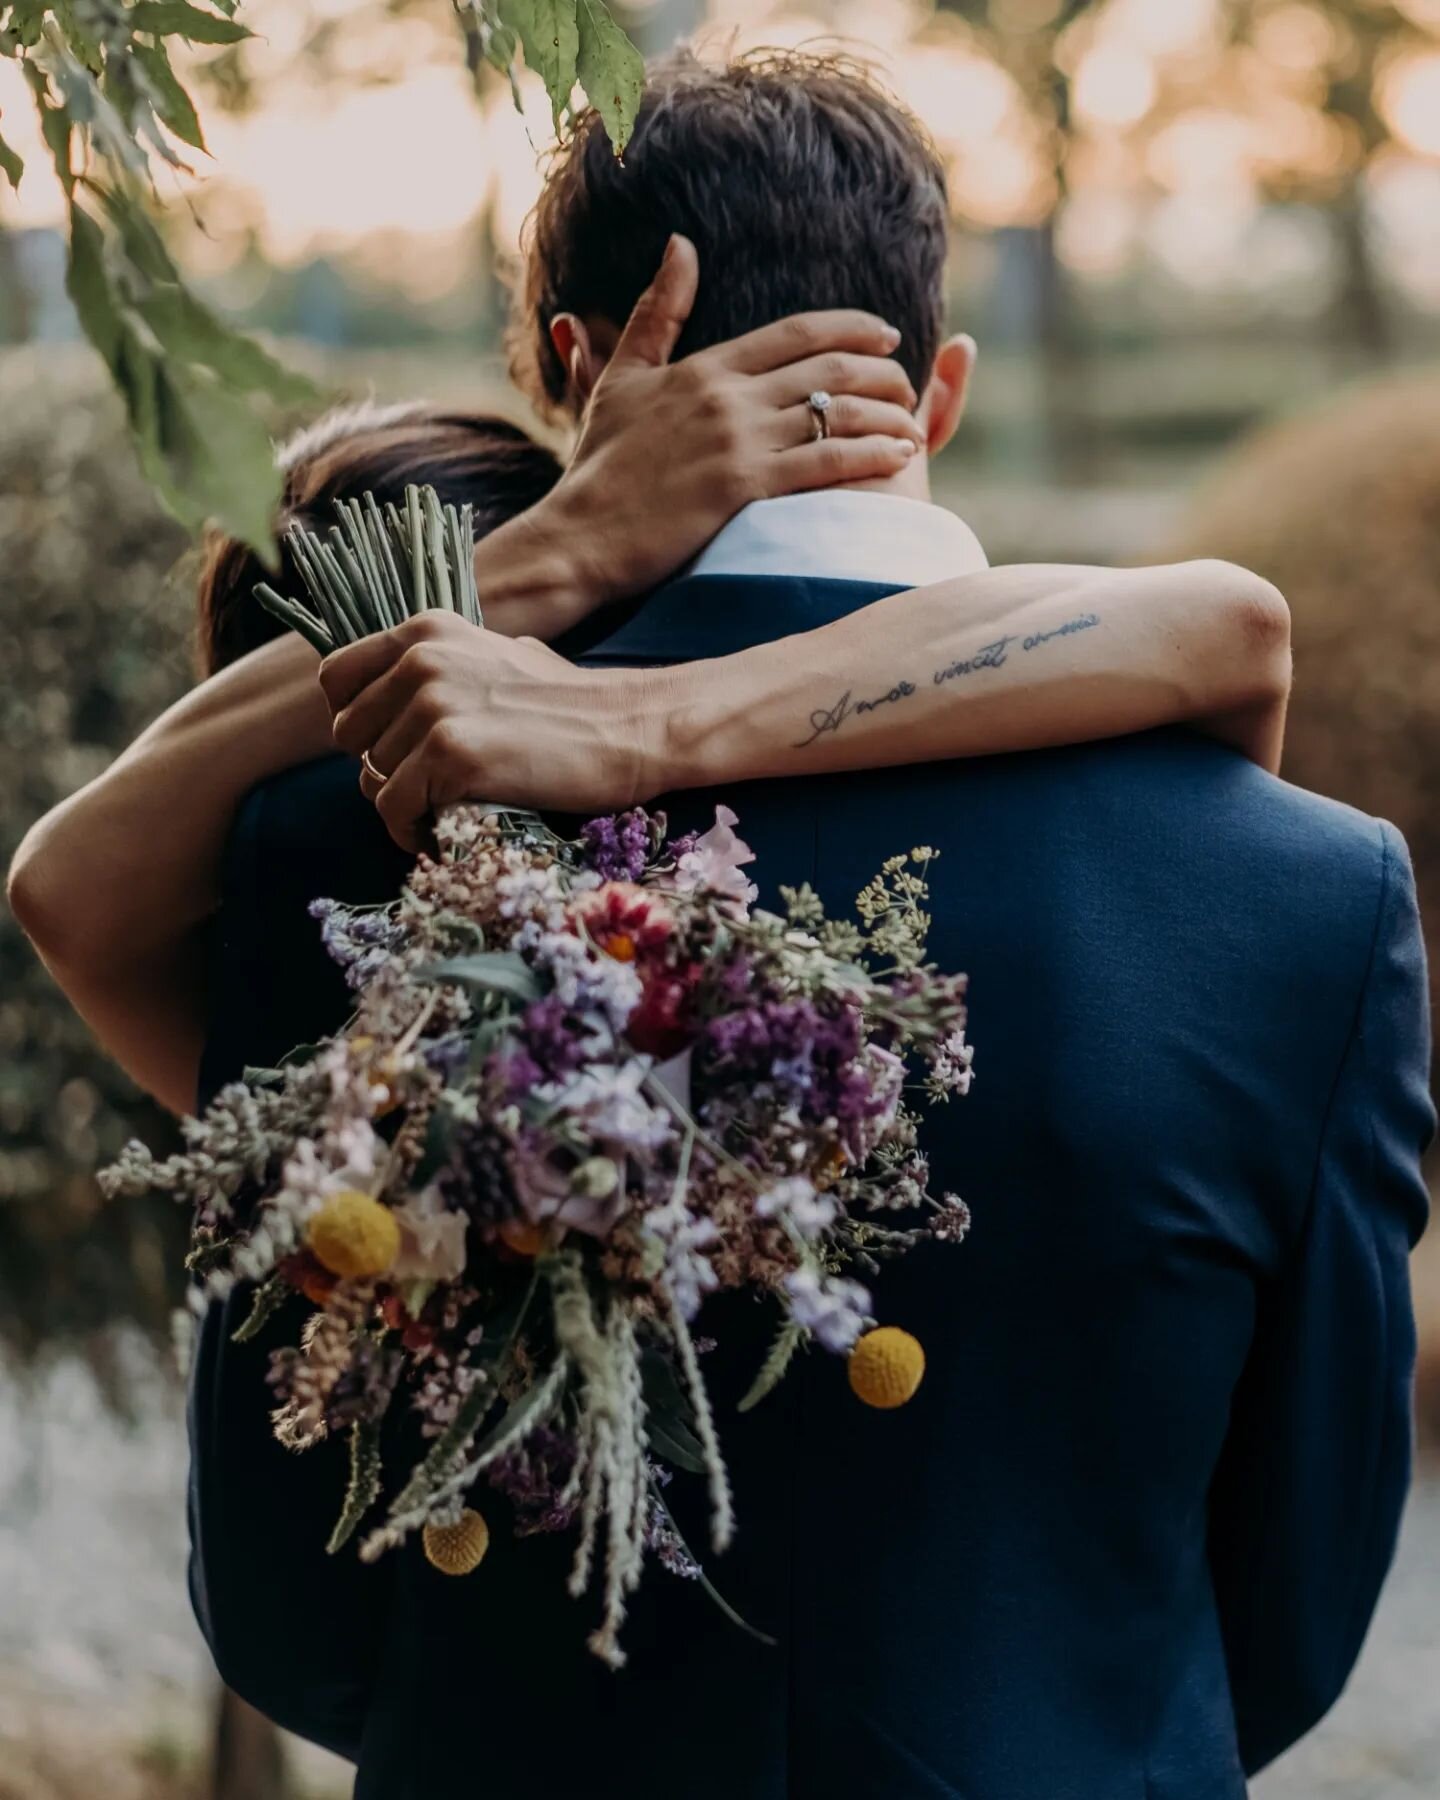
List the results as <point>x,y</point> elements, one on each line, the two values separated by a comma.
<point>360,942</point>
<point>447,1055</point>
<point>478,1180</point>
<point>682,846</point>
<point>363,1391</point>
<point>551,1038</point>
<point>617,847</point>
<point>666,1543</point>
<point>533,1478</point>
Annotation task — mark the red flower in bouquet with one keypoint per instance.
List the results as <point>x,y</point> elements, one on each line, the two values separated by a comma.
<point>627,922</point>
<point>664,1021</point>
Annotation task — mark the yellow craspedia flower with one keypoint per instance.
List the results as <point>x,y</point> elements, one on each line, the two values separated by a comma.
<point>457,1549</point>
<point>354,1235</point>
<point>886,1367</point>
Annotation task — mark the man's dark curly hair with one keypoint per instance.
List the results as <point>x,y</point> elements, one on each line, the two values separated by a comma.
<point>802,182</point>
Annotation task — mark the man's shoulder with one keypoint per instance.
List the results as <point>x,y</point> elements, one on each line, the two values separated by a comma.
<point>1167,812</point>
<point>1209,790</point>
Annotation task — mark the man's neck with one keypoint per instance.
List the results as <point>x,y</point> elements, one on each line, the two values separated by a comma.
<point>911,483</point>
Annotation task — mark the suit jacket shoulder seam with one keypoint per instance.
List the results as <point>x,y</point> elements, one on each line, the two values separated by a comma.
<point>1354,1035</point>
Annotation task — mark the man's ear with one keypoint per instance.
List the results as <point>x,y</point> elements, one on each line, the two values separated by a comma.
<point>942,405</point>
<point>584,347</point>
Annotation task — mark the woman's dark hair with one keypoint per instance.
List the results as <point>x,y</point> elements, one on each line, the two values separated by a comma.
<point>468,458</point>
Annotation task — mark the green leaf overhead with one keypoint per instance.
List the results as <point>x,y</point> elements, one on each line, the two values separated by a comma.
<point>173,106</point>
<point>548,32</point>
<point>111,107</point>
<point>12,165</point>
<point>611,70</point>
<point>177,18</point>
<point>185,378</point>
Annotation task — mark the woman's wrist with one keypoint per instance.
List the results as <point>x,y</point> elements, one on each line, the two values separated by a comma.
<point>685,726</point>
<point>534,576</point>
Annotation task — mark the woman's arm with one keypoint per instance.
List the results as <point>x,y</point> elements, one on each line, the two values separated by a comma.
<point>1008,659</point>
<point>114,886</point>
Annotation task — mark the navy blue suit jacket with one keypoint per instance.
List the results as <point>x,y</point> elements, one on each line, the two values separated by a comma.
<point>1126,1542</point>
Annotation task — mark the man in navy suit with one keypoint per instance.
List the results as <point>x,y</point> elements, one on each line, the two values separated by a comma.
<point>1127,1543</point>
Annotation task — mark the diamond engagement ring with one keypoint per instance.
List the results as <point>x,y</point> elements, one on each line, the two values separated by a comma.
<point>819,404</point>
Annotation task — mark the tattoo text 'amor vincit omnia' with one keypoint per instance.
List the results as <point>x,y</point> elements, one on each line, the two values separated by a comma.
<point>995,655</point>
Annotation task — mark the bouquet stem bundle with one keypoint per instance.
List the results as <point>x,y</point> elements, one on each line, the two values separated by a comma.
<point>377,567</point>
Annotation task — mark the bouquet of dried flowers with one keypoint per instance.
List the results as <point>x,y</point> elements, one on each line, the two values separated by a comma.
<point>585,1084</point>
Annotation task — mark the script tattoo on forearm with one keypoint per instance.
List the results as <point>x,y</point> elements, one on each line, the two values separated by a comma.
<point>828,719</point>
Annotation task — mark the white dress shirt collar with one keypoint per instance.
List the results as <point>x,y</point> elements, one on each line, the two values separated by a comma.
<point>845,535</point>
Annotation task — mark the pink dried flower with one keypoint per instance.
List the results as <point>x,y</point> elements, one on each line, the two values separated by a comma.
<point>715,863</point>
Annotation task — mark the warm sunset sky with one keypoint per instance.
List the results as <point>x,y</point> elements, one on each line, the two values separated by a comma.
<point>1177,138</point>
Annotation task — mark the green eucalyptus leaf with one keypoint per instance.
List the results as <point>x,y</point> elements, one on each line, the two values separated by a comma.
<point>611,71</point>
<point>12,165</point>
<point>189,330</point>
<point>674,1443</point>
<point>172,104</point>
<point>551,38</point>
<point>670,1418</point>
<point>87,282</point>
<point>24,22</point>
<point>177,18</point>
<point>218,457</point>
<point>664,1396</point>
<point>501,971</point>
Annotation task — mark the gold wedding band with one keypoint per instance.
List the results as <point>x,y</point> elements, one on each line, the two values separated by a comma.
<point>371,770</point>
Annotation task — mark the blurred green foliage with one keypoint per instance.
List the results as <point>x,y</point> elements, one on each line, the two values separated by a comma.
<point>1340,507</point>
<point>93,643</point>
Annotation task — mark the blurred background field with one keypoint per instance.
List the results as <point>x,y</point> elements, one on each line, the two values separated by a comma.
<point>1199,241</point>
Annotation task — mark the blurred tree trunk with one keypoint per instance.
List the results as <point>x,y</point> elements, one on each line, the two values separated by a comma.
<point>1362,320</point>
<point>1062,347</point>
<point>16,305</point>
<point>248,1759</point>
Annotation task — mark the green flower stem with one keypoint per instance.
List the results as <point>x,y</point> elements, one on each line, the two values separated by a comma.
<point>299,620</point>
<point>706,1584</point>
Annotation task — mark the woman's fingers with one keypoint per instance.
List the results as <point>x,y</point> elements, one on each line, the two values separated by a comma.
<point>399,738</point>
<point>804,336</point>
<point>849,417</point>
<point>828,462</point>
<point>345,673</point>
<point>840,372</point>
<point>403,802</point>
<point>658,316</point>
<point>374,709</point>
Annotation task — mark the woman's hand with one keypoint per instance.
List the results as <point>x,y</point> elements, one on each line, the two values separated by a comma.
<point>667,454</point>
<point>451,713</point>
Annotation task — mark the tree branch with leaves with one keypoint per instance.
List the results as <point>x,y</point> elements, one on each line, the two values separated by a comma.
<point>113,111</point>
